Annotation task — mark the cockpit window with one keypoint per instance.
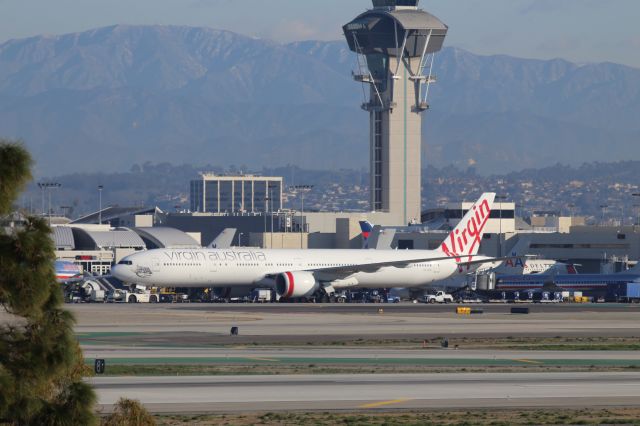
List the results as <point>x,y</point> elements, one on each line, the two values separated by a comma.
<point>125,262</point>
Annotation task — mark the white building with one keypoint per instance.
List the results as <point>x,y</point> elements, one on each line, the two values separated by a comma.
<point>235,194</point>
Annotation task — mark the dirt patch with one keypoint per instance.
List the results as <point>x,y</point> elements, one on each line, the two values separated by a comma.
<point>284,369</point>
<point>203,340</point>
<point>411,418</point>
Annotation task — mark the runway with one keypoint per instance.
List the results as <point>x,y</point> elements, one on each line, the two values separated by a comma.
<point>200,324</point>
<point>136,355</point>
<point>370,392</point>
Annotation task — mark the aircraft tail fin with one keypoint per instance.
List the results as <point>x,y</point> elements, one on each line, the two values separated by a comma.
<point>224,240</point>
<point>384,239</point>
<point>376,237</point>
<point>521,248</point>
<point>367,228</point>
<point>465,238</point>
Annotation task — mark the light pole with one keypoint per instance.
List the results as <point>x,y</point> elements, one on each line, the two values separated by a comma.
<point>100,188</point>
<point>501,198</point>
<point>240,239</point>
<point>303,189</point>
<point>48,186</point>
<point>266,209</point>
<point>42,187</point>
<point>271,186</point>
<point>604,208</point>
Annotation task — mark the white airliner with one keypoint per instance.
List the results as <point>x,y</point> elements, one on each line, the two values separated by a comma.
<point>521,263</point>
<point>303,273</point>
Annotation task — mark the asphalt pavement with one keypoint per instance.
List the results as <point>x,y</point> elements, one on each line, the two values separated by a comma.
<point>370,392</point>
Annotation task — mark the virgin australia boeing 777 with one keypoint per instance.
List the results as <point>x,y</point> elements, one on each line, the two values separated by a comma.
<point>301,273</point>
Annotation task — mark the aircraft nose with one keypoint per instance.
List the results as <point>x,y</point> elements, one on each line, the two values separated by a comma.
<point>120,272</point>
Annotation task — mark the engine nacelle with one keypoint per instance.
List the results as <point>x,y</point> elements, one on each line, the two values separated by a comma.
<point>232,292</point>
<point>296,284</point>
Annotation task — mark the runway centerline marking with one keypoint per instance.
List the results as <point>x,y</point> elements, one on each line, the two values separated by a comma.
<point>529,361</point>
<point>384,403</point>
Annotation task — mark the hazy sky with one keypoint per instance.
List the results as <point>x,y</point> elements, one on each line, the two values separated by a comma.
<point>579,30</point>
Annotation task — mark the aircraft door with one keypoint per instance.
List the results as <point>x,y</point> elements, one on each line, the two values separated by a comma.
<point>155,264</point>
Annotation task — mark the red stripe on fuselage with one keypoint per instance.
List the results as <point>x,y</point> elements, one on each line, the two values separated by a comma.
<point>291,284</point>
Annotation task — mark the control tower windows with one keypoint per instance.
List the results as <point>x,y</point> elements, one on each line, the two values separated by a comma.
<point>379,68</point>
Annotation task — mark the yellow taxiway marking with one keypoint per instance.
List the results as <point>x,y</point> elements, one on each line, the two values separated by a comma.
<point>529,361</point>
<point>383,403</point>
<point>255,358</point>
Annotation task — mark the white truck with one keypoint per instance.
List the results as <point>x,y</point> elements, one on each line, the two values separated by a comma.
<point>439,297</point>
<point>261,295</point>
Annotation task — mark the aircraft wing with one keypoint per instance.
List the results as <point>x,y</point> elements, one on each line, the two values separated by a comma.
<point>375,266</point>
<point>492,260</point>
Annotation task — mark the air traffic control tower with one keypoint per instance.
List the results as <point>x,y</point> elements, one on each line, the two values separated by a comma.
<point>395,43</point>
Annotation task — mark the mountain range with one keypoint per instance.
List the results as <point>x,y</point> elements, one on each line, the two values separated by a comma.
<point>108,98</point>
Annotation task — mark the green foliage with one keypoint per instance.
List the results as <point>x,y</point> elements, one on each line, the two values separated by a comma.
<point>15,164</point>
<point>41,364</point>
<point>129,412</point>
<point>27,269</point>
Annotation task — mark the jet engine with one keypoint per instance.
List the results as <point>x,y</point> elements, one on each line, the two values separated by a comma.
<point>296,284</point>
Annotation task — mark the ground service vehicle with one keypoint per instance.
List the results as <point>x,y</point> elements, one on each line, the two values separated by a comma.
<point>134,295</point>
<point>261,295</point>
<point>627,292</point>
<point>439,297</point>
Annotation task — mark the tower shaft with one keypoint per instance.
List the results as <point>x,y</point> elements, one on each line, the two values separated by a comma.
<point>394,41</point>
<point>395,132</point>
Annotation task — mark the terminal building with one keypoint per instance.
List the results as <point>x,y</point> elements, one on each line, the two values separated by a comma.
<point>214,193</point>
<point>567,239</point>
<point>98,247</point>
